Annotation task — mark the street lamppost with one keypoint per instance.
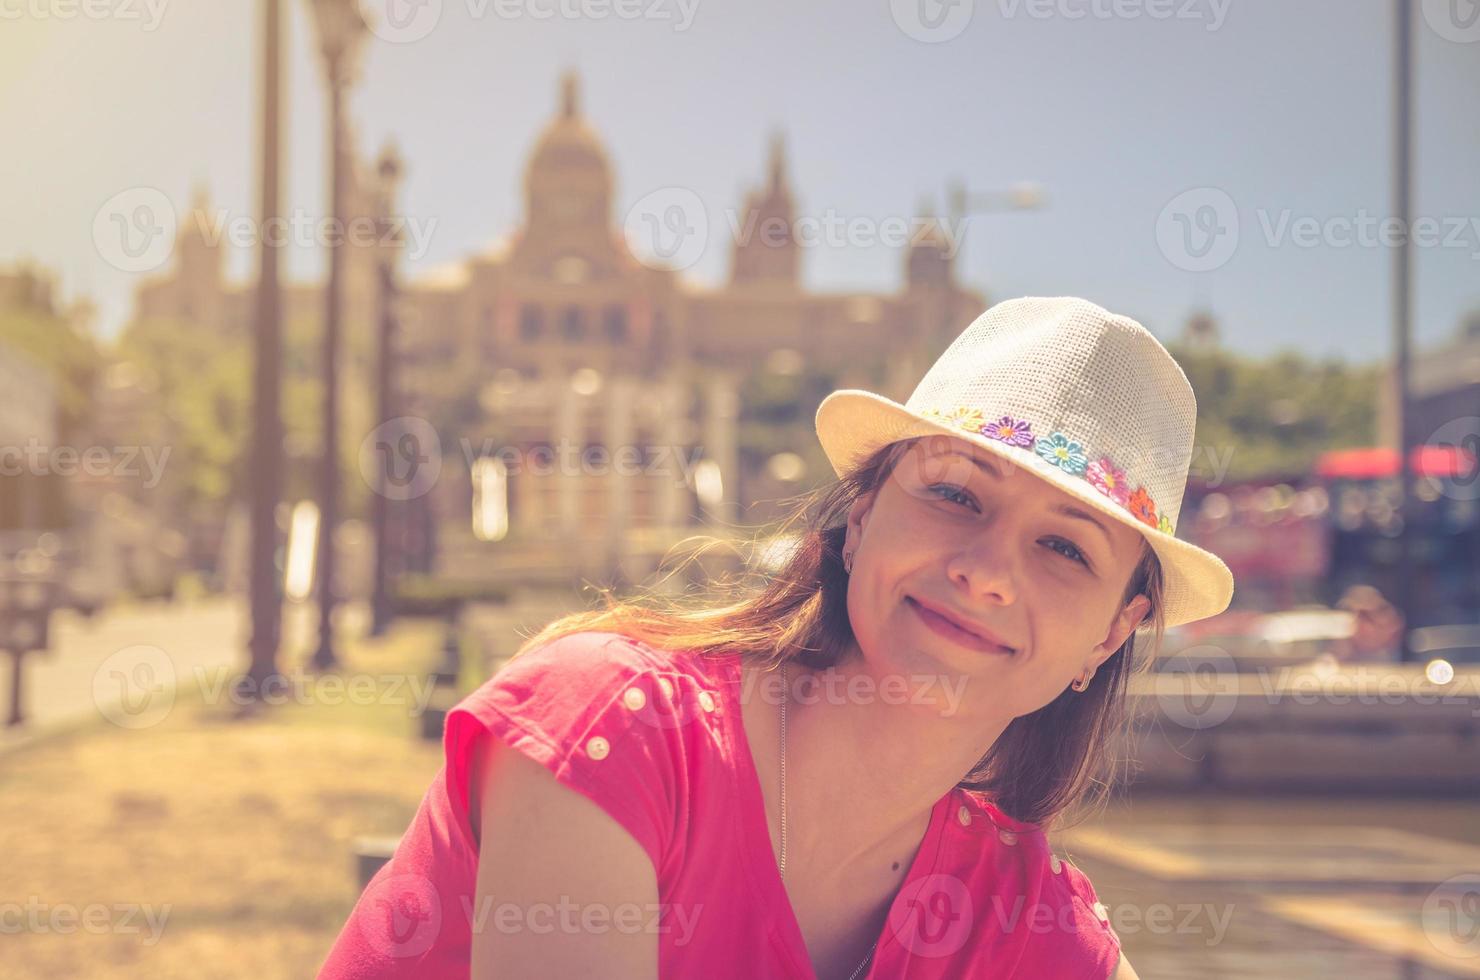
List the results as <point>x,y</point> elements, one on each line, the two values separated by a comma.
<point>389,170</point>
<point>960,202</point>
<point>1403,307</point>
<point>341,26</point>
<point>267,422</point>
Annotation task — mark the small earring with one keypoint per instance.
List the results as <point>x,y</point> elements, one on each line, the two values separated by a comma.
<point>1082,683</point>
<point>848,562</point>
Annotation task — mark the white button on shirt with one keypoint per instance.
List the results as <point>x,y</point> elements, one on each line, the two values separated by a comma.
<point>634,698</point>
<point>598,748</point>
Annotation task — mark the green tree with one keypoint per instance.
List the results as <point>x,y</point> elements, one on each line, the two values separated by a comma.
<point>1274,416</point>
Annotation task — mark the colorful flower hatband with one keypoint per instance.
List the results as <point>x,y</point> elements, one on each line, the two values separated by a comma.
<point>1064,452</point>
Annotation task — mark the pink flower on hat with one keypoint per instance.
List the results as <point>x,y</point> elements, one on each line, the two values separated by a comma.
<point>1012,431</point>
<point>1109,479</point>
<point>1062,452</point>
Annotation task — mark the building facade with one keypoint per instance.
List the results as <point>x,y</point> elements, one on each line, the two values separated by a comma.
<point>600,394</point>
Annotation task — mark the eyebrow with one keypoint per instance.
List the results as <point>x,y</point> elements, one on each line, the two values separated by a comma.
<point>1068,510</point>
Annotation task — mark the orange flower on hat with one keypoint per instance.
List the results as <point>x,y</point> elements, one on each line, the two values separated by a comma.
<point>1142,506</point>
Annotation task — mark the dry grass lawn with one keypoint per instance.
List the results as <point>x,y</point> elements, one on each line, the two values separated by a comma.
<point>234,834</point>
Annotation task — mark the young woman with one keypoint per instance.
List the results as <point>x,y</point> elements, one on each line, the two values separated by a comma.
<point>847,769</point>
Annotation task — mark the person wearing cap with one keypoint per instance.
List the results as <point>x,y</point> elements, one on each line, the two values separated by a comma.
<point>845,766</point>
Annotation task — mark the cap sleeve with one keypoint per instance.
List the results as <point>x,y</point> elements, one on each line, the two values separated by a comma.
<point>1098,942</point>
<point>592,708</point>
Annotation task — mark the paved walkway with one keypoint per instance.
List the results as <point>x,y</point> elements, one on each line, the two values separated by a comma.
<point>97,667</point>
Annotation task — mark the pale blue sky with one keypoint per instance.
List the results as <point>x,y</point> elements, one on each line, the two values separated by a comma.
<point>1284,106</point>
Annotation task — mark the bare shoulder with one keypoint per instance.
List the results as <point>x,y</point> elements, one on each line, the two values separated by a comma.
<point>543,846</point>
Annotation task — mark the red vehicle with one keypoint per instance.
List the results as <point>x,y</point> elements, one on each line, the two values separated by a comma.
<point>1304,539</point>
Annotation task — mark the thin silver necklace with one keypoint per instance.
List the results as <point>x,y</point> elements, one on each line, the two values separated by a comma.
<point>785,697</point>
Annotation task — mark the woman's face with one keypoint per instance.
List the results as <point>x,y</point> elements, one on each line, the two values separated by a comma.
<point>960,531</point>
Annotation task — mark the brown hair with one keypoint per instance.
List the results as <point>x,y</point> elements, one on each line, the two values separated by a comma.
<point>1064,756</point>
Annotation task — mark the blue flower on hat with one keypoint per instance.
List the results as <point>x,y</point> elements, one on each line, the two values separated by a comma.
<point>1063,452</point>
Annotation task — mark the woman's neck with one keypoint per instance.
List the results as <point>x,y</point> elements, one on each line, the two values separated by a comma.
<point>867,758</point>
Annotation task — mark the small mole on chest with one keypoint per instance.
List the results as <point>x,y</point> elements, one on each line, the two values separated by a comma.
<point>896,866</point>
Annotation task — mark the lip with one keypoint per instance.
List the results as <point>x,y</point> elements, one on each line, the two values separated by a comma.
<point>946,625</point>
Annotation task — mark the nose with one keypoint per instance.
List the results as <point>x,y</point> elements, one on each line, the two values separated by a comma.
<point>985,570</point>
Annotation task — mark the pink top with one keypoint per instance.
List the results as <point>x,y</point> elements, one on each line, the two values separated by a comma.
<point>655,738</point>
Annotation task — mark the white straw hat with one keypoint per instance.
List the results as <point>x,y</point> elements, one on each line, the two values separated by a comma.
<point>1079,396</point>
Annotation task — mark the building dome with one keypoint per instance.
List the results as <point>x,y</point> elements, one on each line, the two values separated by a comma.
<point>567,199</point>
<point>568,145</point>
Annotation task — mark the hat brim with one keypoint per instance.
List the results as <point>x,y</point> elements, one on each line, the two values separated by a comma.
<point>853,424</point>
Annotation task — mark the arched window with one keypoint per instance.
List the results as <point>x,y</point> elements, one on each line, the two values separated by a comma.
<point>615,321</point>
<point>573,324</point>
<point>531,322</point>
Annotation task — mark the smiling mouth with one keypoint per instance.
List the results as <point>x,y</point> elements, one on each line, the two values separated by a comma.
<point>944,627</point>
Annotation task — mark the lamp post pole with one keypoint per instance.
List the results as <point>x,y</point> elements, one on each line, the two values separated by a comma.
<point>267,423</point>
<point>961,203</point>
<point>389,170</point>
<point>341,27</point>
<point>1402,307</point>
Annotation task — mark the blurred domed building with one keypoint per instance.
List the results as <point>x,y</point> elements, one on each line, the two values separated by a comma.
<point>569,347</point>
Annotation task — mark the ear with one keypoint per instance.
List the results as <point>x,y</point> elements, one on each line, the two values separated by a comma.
<point>858,515</point>
<point>1120,627</point>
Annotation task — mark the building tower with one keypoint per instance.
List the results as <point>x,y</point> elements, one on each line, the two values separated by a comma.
<point>765,247</point>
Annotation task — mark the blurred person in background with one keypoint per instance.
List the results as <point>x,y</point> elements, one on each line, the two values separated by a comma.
<point>1377,629</point>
